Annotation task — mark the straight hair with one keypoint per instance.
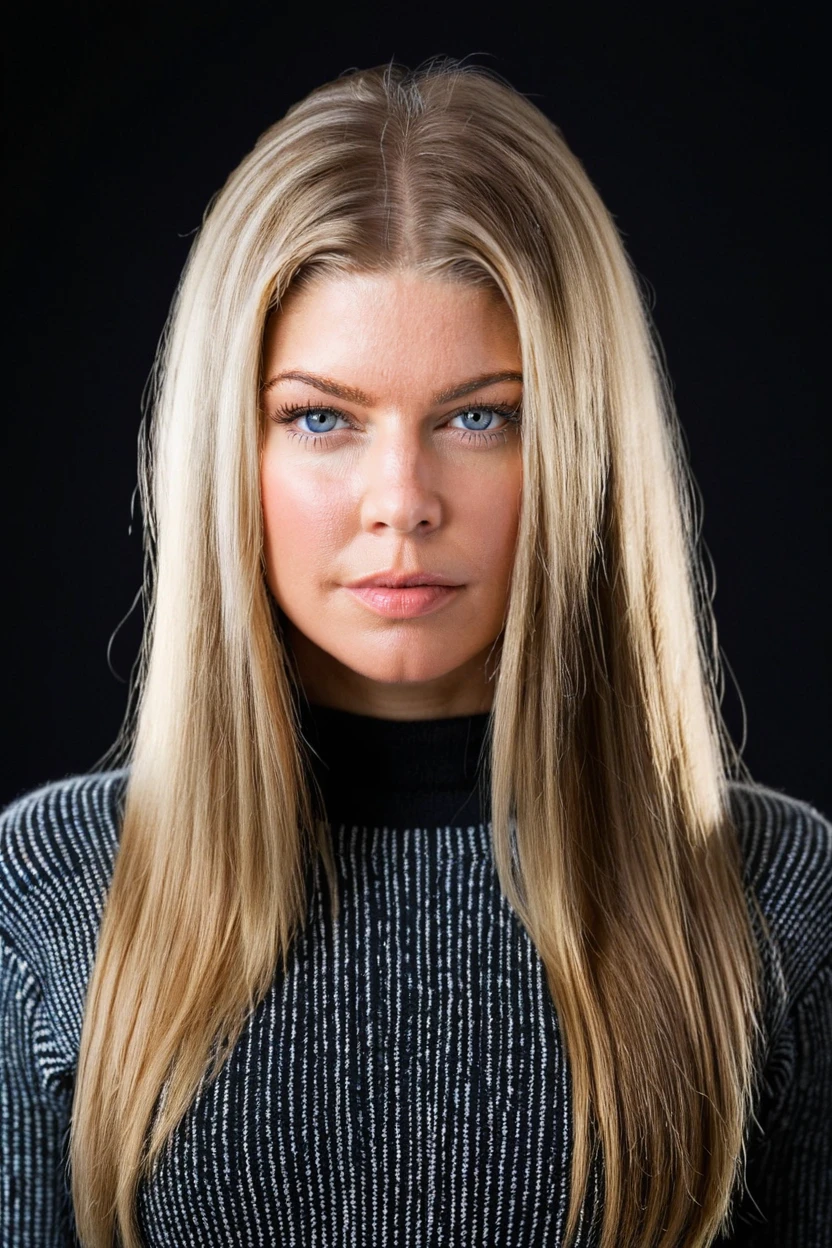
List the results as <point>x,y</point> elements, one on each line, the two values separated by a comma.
<point>609,759</point>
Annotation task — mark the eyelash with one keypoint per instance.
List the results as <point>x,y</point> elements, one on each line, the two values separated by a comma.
<point>288,415</point>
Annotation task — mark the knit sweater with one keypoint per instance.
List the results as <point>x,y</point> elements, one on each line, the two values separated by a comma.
<point>404,1081</point>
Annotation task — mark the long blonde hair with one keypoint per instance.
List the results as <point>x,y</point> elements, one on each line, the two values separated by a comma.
<point>610,760</point>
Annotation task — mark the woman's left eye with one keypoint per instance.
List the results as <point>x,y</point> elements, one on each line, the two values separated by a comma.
<point>488,424</point>
<point>481,418</point>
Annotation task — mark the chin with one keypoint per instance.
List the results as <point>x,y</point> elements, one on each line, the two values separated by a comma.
<point>405,665</point>
<point>404,674</point>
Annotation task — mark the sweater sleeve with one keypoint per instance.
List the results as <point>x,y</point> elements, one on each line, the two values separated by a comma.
<point>35,1205</point>
<point>788,1198</point>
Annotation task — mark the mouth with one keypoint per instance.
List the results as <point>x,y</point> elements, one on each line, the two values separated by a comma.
<point>399,580</point>
<point>403,602</point>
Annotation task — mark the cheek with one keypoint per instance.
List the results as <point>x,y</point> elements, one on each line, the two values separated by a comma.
<point>489,512</point>
<point>305,519</point>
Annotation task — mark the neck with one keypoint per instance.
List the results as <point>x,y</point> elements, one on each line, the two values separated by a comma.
<point>398,773</point>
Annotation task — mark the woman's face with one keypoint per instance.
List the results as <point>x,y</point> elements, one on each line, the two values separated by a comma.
<point>391,450</point>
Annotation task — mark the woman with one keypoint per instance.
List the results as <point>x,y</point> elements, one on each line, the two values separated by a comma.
<point>432,903</point>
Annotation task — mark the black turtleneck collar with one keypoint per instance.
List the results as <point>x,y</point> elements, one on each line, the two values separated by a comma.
<point>396,773</point>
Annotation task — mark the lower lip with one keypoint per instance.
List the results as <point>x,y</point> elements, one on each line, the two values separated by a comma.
<point>404,604</point>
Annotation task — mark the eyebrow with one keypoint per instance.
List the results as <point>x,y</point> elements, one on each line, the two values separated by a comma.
<point>351,394</point>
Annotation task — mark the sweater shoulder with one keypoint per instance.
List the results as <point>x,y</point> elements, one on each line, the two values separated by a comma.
<point>57,849</point>
<point>786,849</point>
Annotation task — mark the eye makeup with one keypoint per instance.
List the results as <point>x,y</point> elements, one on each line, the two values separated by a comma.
<point>290,414</point>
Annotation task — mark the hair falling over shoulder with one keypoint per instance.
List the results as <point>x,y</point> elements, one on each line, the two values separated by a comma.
<point>610,759</point>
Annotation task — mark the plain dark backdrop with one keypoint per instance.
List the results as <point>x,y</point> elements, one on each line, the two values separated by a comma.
<point>704,133</point>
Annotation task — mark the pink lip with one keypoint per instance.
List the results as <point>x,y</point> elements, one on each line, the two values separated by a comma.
<point>402,580</point>
<point>404,603</point>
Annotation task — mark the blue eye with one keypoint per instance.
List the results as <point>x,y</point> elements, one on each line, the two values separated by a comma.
<point>478,426</point>
<point>481,418</point>
<point>319,420</point>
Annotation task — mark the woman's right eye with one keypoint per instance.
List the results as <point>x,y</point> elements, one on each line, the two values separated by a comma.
<point>319,420</point>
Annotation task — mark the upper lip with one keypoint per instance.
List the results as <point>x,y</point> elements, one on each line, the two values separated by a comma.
<point>399,580</point>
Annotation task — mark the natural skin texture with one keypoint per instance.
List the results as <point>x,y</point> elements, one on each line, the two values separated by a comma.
<point>399,481</point>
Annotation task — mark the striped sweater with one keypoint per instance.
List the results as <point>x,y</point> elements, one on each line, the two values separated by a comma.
<point>404,1082</point>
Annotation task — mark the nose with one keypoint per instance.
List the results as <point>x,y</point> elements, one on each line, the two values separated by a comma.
<point>399,487</point>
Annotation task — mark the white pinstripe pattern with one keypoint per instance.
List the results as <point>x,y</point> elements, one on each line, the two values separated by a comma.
<point>404,1083</point>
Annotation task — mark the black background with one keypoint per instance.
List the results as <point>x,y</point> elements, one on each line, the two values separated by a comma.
<point>704,133</point>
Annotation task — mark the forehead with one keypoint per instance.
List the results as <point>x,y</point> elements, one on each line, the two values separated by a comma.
<point>383,330</point>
